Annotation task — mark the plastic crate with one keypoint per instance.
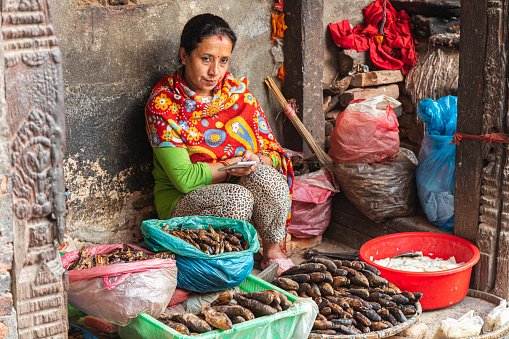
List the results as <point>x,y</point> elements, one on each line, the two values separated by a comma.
<point>295,322</point>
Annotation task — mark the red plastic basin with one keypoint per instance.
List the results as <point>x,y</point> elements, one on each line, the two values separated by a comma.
<point>441,288</point>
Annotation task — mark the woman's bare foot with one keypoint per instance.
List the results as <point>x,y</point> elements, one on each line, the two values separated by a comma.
<point>272,252</point>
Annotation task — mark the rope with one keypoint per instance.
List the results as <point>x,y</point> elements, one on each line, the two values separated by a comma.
<point>290,108</point>
<point>490,137</point>
<point>381,24</point>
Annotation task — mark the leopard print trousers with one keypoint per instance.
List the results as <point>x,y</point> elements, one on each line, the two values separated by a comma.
<point>261,198</point>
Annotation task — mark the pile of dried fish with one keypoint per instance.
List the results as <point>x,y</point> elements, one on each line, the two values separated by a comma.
<point>214,241</point>
<point>351,295</point>
<point>119,255</point>
<point>228,309</point>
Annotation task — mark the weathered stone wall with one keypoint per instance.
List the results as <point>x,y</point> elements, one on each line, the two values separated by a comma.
<point>113,56</point>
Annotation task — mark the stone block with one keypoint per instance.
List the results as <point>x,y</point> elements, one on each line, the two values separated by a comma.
<point>332,103</point>
<point>443,8</point>
<point>9,326</point>
<point>4,329</point>
<point>368,93</point>
<point>348,58</point>
<point>6,304</point>
<point>5,281</point>
<point>6,254</point>
<point>428,26</point>
<point>333,114</point>
<point>328,128</point>
<point>376,78</point>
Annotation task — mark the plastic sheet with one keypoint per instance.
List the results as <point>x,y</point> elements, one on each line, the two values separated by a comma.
<point>436,171</point>
<point>139,287</point>
<point>311,204</point>
<point>198,271</point>
<point>361,137</point>
<point>378,190</point>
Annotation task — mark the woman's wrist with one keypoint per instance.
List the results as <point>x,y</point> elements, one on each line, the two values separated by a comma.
<point>260,158</point>
<point>228,175</point>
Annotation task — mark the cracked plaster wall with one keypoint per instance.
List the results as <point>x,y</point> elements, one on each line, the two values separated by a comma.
<point>112,58</point>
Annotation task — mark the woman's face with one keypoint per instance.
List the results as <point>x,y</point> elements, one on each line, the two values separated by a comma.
<point>206,65</point>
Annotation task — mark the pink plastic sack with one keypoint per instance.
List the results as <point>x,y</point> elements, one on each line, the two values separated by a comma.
<point>311,204</point>
<point>119,292</point>
<point>363,138</point>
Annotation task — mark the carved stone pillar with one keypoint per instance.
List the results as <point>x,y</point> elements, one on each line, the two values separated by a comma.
<point>33,303</point>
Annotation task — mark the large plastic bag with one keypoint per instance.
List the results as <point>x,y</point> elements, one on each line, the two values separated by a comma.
<point>198,271</point>
<point>311,204</point>
<point>466,326</point>
<point>436,171</point>
<point>378,190</point>
<point>117,293</point>
<point>363,135</point>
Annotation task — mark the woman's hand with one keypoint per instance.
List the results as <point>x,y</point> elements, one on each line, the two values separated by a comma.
<point>241,172</point>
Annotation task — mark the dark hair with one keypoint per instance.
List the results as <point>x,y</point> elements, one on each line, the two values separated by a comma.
<point>203,26</point>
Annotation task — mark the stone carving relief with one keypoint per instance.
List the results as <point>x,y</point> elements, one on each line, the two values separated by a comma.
<point>32,157</point>
<point>34,102</point>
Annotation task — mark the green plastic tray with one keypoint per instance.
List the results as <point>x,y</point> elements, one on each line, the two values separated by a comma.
<point>279,325</point>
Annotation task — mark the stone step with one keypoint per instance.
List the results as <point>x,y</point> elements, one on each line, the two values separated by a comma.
<point>376,78</point>
<point>368,93</point>
<point>442,8</point>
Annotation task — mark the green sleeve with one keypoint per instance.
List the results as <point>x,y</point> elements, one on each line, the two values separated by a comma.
<point>184,175</point>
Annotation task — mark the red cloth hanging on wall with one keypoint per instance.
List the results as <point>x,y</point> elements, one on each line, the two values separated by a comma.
<point>397,50</point>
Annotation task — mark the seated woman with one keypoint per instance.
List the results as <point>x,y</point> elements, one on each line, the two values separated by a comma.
<point>200,119</point>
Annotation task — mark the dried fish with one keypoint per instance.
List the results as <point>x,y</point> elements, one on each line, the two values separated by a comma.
<point>258,308</point>
<point>223,299</point>
<point>216,318</point>
<point>193,322</point>
<point>119,255</point>
<point>213,241</point>
<point>230,310</point>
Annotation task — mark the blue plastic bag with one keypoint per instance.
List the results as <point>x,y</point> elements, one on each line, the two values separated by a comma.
<point>436,170</point>
<point>198,271</point>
